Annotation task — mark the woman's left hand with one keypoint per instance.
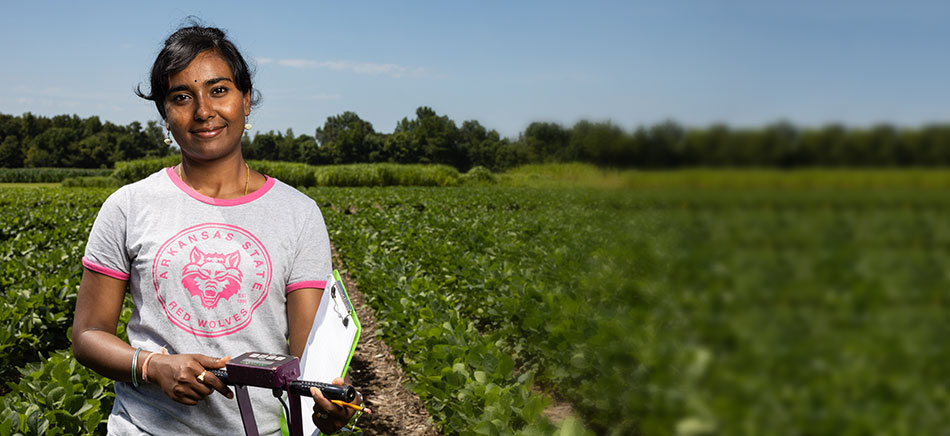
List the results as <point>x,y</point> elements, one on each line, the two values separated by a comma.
<point>329,417</point>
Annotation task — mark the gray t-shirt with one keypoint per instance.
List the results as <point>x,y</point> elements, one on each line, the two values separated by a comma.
<point>207,276</point>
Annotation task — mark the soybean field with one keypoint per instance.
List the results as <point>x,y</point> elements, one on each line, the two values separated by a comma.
<point>672,310</point>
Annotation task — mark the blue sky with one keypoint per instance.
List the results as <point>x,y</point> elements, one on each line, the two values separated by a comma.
<point>504,63</point>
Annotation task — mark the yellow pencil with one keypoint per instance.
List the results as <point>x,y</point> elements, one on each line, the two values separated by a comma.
<point>351,406</point>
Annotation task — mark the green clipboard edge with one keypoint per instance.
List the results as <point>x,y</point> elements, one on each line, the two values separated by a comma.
<point>284,429</point>
<point>356,322</point>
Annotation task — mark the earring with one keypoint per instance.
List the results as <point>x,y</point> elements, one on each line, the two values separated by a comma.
<point>247,125</point>
<point>168,139</point>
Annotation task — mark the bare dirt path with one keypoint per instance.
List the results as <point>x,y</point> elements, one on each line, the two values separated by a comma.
<point>375,372</point>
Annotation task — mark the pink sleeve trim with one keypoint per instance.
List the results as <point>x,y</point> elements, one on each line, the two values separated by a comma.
<point>92,266</point>
<point>317,284</point>
<point>170,171</point>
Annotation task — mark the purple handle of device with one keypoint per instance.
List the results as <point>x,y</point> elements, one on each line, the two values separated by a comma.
<point>247,411</point>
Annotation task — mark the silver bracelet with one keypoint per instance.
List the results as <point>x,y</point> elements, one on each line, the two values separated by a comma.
<point>135,362</point>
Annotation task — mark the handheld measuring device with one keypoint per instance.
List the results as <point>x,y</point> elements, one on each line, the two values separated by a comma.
<point>278,372</point>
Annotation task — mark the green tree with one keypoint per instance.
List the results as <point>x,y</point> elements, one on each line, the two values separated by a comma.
<point>11,154</point>
<point>429,138</point>
<point>96,151</point>
<point>287,146</point>
<point>9,126</point>
<point>780,146</point>
<point>478,146</point>
<point>91,126</point>
<point>67,121</point>
<point>49,148</point>
<point>31,126</point>
<point>549,142</point>
<point>401,147</point>
<point>929,146</point>
<point>885,147</point>
<point>826,146</point>
<point>376,144</point>
<point>599,143</point>
<point>706,147</point>
<point>308,151</point>
<point>510,155</point>
<point>343,139</point>
<point>263,146</point>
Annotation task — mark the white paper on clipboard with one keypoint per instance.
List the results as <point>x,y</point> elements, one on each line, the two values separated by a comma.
<point>331,343</point>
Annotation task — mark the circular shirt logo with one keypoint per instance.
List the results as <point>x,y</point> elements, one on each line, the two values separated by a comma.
<point>209,278</point>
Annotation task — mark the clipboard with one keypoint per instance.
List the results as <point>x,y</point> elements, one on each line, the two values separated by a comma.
<point>331,343</point>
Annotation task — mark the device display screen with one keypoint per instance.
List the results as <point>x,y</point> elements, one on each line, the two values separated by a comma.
<point>257,362</point>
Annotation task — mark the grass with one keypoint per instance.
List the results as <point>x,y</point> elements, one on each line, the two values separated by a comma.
<point>29,185</point>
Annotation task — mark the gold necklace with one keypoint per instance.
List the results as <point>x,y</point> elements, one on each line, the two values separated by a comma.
<point>247,176</point>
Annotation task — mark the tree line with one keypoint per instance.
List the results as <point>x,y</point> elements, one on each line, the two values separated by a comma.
<point>71,141</point>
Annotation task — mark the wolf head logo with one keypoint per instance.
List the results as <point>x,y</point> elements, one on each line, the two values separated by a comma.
<point>212,276</point>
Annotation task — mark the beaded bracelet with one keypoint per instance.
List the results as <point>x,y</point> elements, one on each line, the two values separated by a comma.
<point>135,362</point>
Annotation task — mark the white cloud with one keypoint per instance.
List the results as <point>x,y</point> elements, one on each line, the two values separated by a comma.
<point>295,95</point>
<point>262,61</point>
<point>392,70</point>
<point>298,63</point>
<point>58,99</point>
<point>321,97</point>
<point>55,93</point>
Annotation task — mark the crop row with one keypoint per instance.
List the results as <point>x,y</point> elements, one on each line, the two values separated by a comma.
<point>47,175</point>
<point>42,235</point>
<point>669,312</point>
<point>41,243</point>
<point>521,277</point>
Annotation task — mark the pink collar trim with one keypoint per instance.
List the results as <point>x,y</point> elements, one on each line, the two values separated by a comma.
<point>170,171</point>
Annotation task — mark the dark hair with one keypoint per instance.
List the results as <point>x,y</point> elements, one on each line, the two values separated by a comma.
<point>181,48</point>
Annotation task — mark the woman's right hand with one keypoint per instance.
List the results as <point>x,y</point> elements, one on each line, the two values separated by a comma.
<point>177,375</point>
<point>95,345</point>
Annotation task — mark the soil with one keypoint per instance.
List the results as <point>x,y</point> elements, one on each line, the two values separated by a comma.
<point>559,410</point>
<point>376,374</point>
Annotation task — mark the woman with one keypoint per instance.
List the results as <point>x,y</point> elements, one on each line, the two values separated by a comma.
<point>219,260</point>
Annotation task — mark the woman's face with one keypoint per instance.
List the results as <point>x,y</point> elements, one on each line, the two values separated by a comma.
<point>204,109</point>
